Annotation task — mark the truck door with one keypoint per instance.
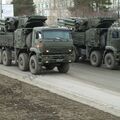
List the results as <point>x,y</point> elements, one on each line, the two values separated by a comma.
<point>115,39</point>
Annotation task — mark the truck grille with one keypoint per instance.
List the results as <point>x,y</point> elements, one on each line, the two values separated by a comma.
<point>57,51</point>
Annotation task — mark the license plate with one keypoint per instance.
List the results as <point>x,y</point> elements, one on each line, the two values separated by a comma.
<point>59,60</point>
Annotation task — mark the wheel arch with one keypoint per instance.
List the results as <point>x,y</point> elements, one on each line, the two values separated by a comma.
<point>34,51</point>
<point>108,50</point>
<point>19,51</point>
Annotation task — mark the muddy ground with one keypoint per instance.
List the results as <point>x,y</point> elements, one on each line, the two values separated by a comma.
<point>20,101</point>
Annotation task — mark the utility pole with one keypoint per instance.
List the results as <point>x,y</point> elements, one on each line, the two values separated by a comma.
<point>0,8</point>
<point>118,9</point>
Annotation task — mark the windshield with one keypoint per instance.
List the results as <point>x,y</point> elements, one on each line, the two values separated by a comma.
<point>56,34</point>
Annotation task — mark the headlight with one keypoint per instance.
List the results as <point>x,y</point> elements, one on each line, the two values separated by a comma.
<point>70,50</point>
<point>40,45</point>
<point>47,51</point>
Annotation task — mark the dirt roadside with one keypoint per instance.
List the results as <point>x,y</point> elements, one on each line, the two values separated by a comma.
<point>20,101</point>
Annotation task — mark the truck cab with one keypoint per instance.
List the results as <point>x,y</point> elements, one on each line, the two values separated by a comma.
<point>96,40</point>
<point>51,47</point>
<point>112,49</point>
<point>33,46</point>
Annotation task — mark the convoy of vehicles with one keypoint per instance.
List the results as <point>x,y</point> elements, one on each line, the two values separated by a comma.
<point>33,45</point>
<point>96,40</point>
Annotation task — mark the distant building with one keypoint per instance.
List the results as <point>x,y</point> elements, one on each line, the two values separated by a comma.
<point>53,9</point>
<point>42,7</point>
<point>7,1</point>
<point>115,7</point>
<point>7,10</point>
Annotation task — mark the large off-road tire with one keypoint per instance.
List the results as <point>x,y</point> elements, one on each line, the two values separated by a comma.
<point>110,61</point>
<point>35,68</point>
<point>1,56</point>
<point>50,67</point>
<point>6,58</point>
<point>63,68</point>
<point>23,62</point>
<point>96,58</point>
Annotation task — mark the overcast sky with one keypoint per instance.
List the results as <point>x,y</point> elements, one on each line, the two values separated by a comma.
<point>6,1</point>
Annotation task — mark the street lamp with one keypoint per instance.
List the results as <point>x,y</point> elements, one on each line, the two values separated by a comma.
<point>118,8</point>
<point>0,8</point>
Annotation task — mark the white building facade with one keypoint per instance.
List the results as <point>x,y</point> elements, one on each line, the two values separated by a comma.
<point>53,9</point>
<point>7,1</point>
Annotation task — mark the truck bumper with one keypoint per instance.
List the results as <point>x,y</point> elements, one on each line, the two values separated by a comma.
<point>56,58</point>
<point>117,56</point>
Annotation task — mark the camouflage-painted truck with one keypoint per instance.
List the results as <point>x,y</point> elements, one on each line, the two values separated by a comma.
<point>96,40</point>
<point>34,46</point>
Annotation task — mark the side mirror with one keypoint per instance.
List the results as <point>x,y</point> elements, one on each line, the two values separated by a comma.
<point>38,36</point>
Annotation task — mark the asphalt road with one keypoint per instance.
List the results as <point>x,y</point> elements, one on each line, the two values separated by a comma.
<point>100,77</point>
<point>84,72</point>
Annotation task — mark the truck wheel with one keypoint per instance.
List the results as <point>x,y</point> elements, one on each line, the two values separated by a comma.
<point>35,68</point>
<point>0,56</point>
<point>110,61</point>
<point>23,62</point>
<point>6,58</point>
<point>63,68</point>
<point>96,58</point>
<point>50,67</point>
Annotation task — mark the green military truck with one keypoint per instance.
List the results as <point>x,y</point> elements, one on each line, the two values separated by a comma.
<point>96,40</point>
<point>34,46</point>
